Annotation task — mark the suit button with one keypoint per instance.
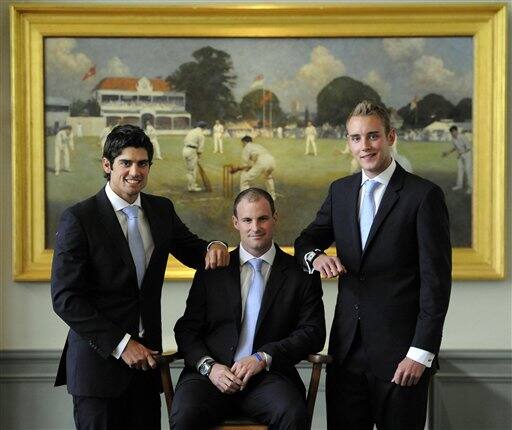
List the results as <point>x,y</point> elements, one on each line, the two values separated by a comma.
<point>356,307</point>
<point>232,348</point>
<point>361,277</point>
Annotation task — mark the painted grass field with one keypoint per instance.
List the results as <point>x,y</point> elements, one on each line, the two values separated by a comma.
<point>301,183</point>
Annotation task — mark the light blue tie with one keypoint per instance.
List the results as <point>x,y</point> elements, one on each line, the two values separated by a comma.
<point>135,241</point>
<point>252,310</point>
<point>367,211</point>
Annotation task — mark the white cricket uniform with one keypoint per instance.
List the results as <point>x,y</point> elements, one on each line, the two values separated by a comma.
<point>218,132</point>
<point>63,143</point>
<point>464,162</point>
<point>151,133</point>
<point>262,163</point>
<point>310,132</point>
<point>193,146</point>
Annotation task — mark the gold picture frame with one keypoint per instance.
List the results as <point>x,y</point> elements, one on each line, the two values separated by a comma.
<point>485,23</point>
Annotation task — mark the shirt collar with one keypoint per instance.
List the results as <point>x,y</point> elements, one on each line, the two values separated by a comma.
<point>117,202</point>
<point>383,177</point>
<point>268,257</point>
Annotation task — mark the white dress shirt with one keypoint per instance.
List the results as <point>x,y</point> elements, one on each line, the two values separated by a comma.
<point>147,239</point>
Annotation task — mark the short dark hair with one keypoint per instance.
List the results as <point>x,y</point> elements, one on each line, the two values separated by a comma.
<point>125,136</point>
<point>253,194</point>
<point>453,128</point>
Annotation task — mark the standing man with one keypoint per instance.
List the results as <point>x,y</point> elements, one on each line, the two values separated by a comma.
<point>63,144</point>
<point>464,159</point>
<point>108,267</point>
<point>244,329</point>
<point>151,132</point>
<point>257,161</point>
<point>392,235</point>
<point>193,146</point>
<point>218,132</point>
<point>310,132</point>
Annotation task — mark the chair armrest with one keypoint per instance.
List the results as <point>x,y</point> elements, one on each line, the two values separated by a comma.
<point>167,357</point>
<point>319,358</point>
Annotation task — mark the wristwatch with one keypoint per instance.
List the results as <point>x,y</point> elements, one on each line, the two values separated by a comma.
<point>310,256</point>
<point>206,367</point>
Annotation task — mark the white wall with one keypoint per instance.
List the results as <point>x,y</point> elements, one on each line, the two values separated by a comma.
<point>479,316</point>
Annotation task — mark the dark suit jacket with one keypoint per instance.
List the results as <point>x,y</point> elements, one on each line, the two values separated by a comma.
<point>291,323</point>
<point>94,288</point>
<point>399,286</point>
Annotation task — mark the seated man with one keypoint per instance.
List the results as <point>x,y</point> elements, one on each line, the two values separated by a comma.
<point>244,329</point>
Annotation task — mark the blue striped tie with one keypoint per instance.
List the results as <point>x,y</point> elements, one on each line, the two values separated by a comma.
<point>367,211</point>
<point>252,310</point>
<point>135,241</point>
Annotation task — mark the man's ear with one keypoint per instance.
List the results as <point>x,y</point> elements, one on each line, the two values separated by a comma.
<point>106,165</point>
<point>235,222</point>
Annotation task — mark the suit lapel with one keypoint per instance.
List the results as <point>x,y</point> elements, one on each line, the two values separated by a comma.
<point>113,229</point>
<point>389,199</point>
<point>353,213</point>
<point>233,287</point>
<point>274,284</point>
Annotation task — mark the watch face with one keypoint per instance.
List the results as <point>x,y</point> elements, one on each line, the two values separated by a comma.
<point>204,369</point>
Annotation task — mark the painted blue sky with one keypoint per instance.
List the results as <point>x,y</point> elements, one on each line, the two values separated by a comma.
<point>294,69</point>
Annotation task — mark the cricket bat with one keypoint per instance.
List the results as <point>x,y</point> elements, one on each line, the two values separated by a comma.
<point>206,181</point>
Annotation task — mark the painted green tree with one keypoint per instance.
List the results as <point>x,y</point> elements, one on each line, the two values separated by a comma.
<point>207,82</point>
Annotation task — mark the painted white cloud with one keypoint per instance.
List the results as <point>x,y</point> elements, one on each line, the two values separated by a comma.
<point>61,57</point>
<point>374,80</point>
<point>404,48</point>
<point>430,75</point>
<point>310,79</point>
<point>116,67</point>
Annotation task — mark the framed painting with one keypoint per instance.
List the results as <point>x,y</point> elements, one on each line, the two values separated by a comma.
<point>286,75</point>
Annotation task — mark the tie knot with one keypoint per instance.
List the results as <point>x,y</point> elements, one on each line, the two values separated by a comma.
<point>256,264</point>
<point>370,186</point>
<point>131,211</point>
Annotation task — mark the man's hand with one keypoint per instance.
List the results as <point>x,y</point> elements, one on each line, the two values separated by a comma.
<point>217,256</point>
<point>408,372</point>
<point>224,379</point>
<point>137,356</point>
<point>247,367</point>
<point>328,266</point>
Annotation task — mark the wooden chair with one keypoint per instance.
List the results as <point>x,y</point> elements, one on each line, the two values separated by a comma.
<point>241,423</point>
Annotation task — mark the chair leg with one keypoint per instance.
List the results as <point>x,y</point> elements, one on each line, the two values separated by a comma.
<point>312,392</point>
<point>165,373</point>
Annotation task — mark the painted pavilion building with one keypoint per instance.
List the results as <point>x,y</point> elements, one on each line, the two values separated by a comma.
<point>128,100</point>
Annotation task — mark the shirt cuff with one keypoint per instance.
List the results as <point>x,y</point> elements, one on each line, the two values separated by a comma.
<point>268,359</point>
<point>121,346</point>
<point>421,356</point>
<point>202,360</point>
<point>216,241</point>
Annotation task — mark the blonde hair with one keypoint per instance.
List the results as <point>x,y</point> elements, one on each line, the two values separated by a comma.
<point>368,108</point>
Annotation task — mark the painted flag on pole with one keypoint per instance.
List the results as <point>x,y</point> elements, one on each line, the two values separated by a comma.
<point>90,73</point>
<point>258,82</point>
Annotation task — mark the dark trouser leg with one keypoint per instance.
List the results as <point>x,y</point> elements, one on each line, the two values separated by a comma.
<point>348,400</point>
<point>138,408</point>
<point>198,404</point>
<point>273,400</point>
<point>402,408</point>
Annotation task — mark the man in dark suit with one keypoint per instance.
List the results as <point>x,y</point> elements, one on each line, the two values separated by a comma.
<point>394,260</point>
<point>108,268</point>
<point>244,329</point>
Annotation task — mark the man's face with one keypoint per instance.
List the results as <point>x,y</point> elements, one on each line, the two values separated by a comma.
<point>369,143</point>
<point>454,133</point>
<point>255,223</point>
<point>129,173</point>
